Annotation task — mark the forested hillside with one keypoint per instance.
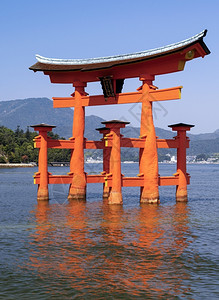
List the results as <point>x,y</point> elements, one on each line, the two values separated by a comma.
<point>17,147</point>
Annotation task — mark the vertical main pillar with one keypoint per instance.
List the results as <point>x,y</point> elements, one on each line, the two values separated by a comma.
<point>77,189</point>
<point>106,161</point>
<point>115,196</point>
<point>148,158</point>
<point>181,188</point>
<point>43,193</point>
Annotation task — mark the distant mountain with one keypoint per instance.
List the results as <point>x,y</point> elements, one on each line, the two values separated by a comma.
<point>204,136</point>
<point>40,110</point>
<point>203,146</point>
<point>32,111</point>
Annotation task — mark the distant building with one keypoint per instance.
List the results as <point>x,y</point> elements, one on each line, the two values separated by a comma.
<point>173,159</point>
<point>190,158</point>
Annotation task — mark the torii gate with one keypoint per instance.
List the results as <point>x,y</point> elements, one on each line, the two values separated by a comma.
<point>111,72</point>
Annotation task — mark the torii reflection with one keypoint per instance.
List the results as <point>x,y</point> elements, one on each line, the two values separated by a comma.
<point>97,246</point>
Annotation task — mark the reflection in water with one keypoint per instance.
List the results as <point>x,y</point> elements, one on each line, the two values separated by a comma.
<point>97,249</point>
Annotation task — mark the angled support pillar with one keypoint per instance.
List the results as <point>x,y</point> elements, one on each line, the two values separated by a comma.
<point>106,161</point>
<point>43,193</point>
<point>148,158</point>
<point>77,189</point>
<point>115,196</point>
<point>181,188</point>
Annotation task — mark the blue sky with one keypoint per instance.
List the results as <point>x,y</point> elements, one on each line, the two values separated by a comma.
<point>83,29</point>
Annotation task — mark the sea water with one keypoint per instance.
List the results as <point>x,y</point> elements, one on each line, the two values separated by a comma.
<point>91,250</point>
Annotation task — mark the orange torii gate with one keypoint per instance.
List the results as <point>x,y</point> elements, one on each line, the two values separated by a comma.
<point>111,72</point>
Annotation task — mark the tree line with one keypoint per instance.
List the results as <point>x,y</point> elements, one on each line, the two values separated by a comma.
<point>18,147</point>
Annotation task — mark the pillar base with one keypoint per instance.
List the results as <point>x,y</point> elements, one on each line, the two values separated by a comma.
<point>181,199</point>
<point>106,195</point>
<point>149,200</point>
<point>115,198</point>
<point>78,194</point>
<point>42,194</point>
<point>42,198</point>
<point>181,195</point>
<point>106,192</point>
<point>77,189</point>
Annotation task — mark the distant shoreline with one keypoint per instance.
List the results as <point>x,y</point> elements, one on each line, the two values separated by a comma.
<point>30,165</point>
<point>17,165</point>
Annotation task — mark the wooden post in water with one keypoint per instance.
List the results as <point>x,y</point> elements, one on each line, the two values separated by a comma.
<point>115,196</point>
<point>77,189</point>
<point>148,158</point>
<point>106,161</point>
<point>43,193</point>
<point>181,188</point>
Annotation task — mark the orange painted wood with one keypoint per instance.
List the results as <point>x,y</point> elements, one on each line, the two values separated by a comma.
<point>167,143</point>
<point>181,191</point>
<point>165,94</point>
<point>148,164</point>
<point>94,144</point>
<point>60,179</point>
<point>125,142</point>
<point>139,143</point>
<point>139,181</point>
<point>131,142</point>
<point>95,178</point>
<point>132,181</point>
<point>77,189</point>
<point>57,144</point>
<point>123,98</point>
<point>126,181</point>
<point>43,193</point>
<point>115,196</point>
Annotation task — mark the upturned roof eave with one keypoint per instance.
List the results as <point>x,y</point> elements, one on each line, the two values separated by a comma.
<point>49,64</point>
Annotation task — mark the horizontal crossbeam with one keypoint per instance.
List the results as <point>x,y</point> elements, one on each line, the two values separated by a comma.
<point>125,142</point>
<point>123,98</point>
<point>126,181</point>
